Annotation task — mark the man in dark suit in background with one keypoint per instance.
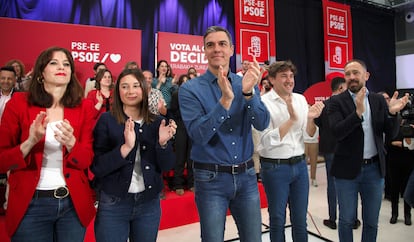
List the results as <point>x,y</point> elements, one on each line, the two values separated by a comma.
<point>358,119</point>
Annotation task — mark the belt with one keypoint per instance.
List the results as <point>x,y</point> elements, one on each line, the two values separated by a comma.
<point>59,193</point>
<point>370,160</point>
<point>233,169</point>
<point>289,161</point>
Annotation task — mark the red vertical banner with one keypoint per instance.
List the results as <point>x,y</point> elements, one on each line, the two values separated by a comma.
<point>254,30</point>
<point>337,35</point>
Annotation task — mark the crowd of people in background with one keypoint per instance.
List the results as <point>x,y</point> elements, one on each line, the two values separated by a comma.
<point>112,144</point>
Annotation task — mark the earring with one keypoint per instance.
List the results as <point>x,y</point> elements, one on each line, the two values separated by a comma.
<point>40,80</point>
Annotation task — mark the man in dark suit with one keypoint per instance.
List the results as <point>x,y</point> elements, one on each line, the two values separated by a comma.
<point>358,119</point>
<point>327,145</point>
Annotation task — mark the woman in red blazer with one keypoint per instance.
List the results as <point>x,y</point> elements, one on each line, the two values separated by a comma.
<point>46,143</point>
<point>102,95</point>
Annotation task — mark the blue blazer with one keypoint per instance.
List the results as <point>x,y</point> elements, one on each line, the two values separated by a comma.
<point>347,128</point>
<point>113,173</point>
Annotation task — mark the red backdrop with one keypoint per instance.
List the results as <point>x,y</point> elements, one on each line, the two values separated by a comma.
<point>181,51</point>
<point>24,40</point>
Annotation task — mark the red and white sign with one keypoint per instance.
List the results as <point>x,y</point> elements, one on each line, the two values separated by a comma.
<point>181,51</point>
<point>256,43</point>
<point>88,44</point>
<point>254,29</point>
<point>337,54</point>
<point>337,36</point>
<point>337,22</point>
<point>254,12</point>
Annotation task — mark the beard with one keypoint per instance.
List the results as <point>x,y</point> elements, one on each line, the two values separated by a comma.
<point>354,88</point>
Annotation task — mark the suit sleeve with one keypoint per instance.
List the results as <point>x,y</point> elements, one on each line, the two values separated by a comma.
<point>11,134</point>
<point>342,123</point>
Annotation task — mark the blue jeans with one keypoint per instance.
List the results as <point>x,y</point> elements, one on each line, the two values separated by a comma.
<point>285,184</point>
<point>215,192</point>
<point>331,191</point>
<point>48,220</point>
<point>118,219</point>
<point>409,190</point>
<point>370,185</point>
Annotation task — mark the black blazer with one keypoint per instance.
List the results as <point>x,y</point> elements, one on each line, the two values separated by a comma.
<point>113,173</point>
<point>347,128</point>
<point>327,141</point>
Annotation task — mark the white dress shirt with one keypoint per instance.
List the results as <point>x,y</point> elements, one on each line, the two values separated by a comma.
<point>3,100</point>
<point>271,145</point>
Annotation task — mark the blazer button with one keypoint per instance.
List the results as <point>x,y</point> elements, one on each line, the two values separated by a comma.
<point>74,160</point>
<point>149,186</point>
<point>147,167</point>
<point>67,175</point>
<point>144,147</point>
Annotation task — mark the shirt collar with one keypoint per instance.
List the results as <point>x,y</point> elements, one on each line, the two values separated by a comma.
<point>273,95</point>
<point>353,95</point>
<point>11,92</point>
<point>212,78</point>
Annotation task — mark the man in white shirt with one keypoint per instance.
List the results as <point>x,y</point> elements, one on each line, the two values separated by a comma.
<point>7,83</point>
<point>284,169</point>
<point>245,67</point>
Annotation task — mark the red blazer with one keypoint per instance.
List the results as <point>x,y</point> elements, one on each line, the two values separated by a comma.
<point>25,173</point>
<point>92,96</point>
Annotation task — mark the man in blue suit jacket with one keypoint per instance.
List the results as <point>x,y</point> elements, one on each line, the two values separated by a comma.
<point>359,119</point>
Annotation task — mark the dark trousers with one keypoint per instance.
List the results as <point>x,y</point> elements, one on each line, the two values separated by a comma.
<point>401,165</point>
<point>182,154</point>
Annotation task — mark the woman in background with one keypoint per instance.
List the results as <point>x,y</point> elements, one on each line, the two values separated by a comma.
<point>164,81</point>
<point>102,95</point>
<point>46,143</point>
<point>182,147</point>
<point>22,79</point>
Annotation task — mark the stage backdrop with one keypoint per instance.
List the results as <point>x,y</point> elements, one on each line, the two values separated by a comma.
<point>298,29</point>
<point>88,44</point>
<point>181,51</point>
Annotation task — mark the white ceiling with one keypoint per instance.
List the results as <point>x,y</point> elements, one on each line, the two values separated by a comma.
<point>396,4</point>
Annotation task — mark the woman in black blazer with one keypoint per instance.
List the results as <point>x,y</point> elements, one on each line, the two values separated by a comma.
<point>132,147</point>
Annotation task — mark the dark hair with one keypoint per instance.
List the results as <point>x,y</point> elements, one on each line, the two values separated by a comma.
<point>191,70</point>
<point>181,79</point>
<point>20,63</point>
<point>158,66</point>
<point>39,96</point>
<point>362,63</point>
<point>265,78</point>
<point>336,83</point>
<point>131,63</point>
<point>95,67</point>
<point>281,66</point>
<point>8,68</point>
<point>214,29</point>
<point>117,106</point>
<point>99,75</point>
